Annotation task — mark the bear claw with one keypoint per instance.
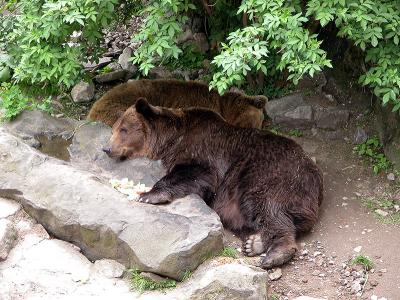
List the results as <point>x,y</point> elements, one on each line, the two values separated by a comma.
<point>253,245</point>
<point>154,198</point>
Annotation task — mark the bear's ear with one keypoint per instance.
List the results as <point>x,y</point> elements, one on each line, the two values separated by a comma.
<point>145,109</point>
<point>259,101</point>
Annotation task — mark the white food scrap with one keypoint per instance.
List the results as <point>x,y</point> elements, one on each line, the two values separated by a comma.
<point>127,187</point>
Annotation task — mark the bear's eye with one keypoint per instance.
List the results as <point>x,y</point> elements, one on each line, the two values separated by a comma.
<point>123,130</point>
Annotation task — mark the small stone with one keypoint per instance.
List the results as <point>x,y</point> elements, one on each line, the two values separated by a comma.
<point>315,273</point>
<point>317,253</point>
<point>304,280</point>
<point>360,136</point>
<point>381,212</point>
<point>275,274</point>
<point>331,262</point>
<point>152,276</point>
<point>109,268</point>
<point>356,287</point>
<point>8,237</point>
<point>321,275</point>
<point>391,177</point>
<point>374,297</point>
<point>382,270</point>
<point>347,273</point>
<point>304,252</point>
<point>396,207</point>
<point>8,208</point>
<point>344,282</point>
<point>357,249</point>
<point>82,92</point>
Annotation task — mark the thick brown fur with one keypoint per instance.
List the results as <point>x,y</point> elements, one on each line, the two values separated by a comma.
<point>237,109</point>
<point>263,186</point>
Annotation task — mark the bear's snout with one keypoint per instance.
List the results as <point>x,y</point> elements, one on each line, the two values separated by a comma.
<point>107,151</point>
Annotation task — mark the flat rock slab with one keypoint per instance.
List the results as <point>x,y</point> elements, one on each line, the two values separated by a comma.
<point>79,207</point>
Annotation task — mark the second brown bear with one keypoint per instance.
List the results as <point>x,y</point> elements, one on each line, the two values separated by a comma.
<point>236,108</point>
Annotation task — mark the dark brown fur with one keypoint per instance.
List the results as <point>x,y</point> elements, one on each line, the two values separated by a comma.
<point>237,109</point>
<point>262,185</point>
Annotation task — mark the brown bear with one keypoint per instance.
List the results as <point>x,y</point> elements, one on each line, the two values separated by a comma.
<point>263,186</point>
<point>237,109</point>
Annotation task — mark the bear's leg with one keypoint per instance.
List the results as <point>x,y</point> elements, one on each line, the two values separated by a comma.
<point>279,239</point>
<point>182,180</point>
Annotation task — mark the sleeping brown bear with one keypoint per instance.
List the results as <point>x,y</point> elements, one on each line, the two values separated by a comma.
<point>263,186</point>
<point>237,109</point>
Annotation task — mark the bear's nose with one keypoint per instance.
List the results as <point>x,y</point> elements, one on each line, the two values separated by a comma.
<point>107,151</point>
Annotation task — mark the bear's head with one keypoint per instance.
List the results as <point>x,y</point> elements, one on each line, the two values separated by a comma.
<point>134,133</point>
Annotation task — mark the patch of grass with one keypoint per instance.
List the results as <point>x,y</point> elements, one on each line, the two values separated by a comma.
<point>105,70</point>
<point>364,261</point>
<point>226,252</point>
<point>275,296</point>
<point>229,252</point>
<point>296,133</point>
<point>372,150</point>
<point>276,129</point>
<point>187,275</point>
<point>141,283</point>
<point>386,204</point>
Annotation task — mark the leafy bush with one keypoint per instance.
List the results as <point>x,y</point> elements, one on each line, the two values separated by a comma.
<point>373,150</point>
<point>14,100</point>
<point>42,39</point>
<point>374,26</point>
<point>158,34</point>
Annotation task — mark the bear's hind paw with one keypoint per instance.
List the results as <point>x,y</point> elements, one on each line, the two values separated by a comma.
<point>253,245</point>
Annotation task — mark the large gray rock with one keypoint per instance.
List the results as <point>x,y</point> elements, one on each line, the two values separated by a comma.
<point>331,118</point>
<point>125,61</point>
<point>8,208</point>
<point>86,151</point>
<point>111,76</point>
<point>77,206</point>
<point>160,73</point>
<point>8,238</point>
<point>290,111</point>
<point>230,281</point>
<point>30,124</point>
<point>82,92</point>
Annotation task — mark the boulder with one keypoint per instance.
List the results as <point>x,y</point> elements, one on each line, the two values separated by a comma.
<point>201,42</point>
<point>86,151</point>
<point>331,117</point>
<point>30,124</point>
<point>8,208</point>
<point>111,76</point>
<point>79,207</point>
<point>226,281</point>
<point>290,111</point>
<point>109,268</point>
<point>8,237</point>
<point>83,92</point>
<point>125,60</point>
<point>160,73</point>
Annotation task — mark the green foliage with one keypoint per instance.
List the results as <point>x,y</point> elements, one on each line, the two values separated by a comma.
<point>276,26</point>
<point>141,283</point>
<point>364,261</point>
<point>229,252</point>
<point>14,100</point>
<point>158,34</point>
<point>274,296</point>
<point>372,149</point>
<point>105,70</point>
<point>374,26</point>
<point>190,58</point>
<point>187,275</point>
<point>296,133</point>
<point>45,42</point>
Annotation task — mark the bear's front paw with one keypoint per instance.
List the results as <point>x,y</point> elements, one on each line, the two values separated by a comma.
<point>155,197</point>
